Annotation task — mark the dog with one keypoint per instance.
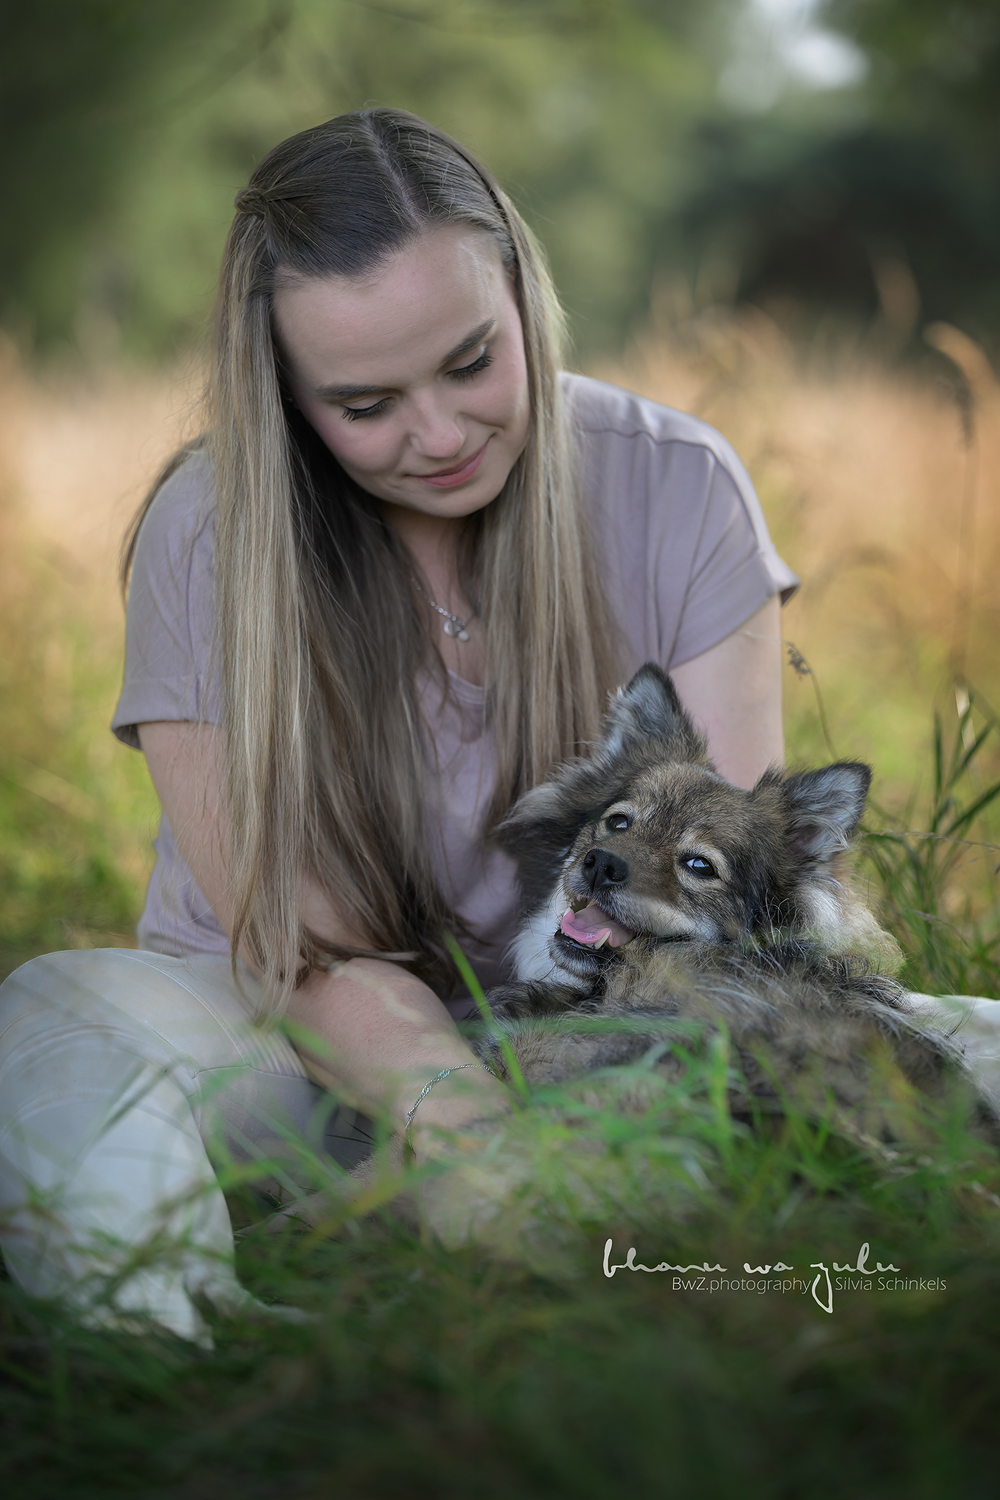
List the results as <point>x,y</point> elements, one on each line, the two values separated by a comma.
<point>660,897</point>
<point>667,911</point>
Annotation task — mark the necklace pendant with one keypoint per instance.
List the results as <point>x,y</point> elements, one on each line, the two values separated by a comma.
<point>456,630</point>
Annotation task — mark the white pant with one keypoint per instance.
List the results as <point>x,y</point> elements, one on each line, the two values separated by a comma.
<point>117,1070</point>
<point>974,1023</point>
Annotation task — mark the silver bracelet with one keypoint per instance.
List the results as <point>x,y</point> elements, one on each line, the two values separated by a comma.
<point>427,1088</point>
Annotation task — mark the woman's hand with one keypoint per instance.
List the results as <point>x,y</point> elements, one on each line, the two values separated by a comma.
<point>733,693</point>
<point>386,1035</point>
<point>380,1033</point>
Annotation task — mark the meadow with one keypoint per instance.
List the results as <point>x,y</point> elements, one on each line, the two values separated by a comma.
<point>428,1370</point>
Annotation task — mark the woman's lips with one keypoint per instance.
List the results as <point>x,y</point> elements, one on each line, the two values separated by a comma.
<point>444,479</point>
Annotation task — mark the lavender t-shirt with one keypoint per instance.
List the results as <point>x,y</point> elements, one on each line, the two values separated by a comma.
<point>684,557</point>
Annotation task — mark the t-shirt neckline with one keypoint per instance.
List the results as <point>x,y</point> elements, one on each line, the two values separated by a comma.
<point>463,688</point>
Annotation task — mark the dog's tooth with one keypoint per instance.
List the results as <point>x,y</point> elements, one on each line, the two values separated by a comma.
<point>604,937</point>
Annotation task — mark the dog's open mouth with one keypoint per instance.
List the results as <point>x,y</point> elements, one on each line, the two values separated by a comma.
<point>593,928</point>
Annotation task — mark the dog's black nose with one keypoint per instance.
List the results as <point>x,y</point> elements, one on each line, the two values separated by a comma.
<point>604,869</point>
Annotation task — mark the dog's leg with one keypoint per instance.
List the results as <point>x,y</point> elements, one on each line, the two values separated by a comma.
<point>535,998</point>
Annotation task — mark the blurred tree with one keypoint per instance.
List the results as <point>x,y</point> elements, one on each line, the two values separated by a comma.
<point>130,124</point>
<point>886,212</point>
<point>881,227</point>
<point>935,66</point>
<point>79,80</point>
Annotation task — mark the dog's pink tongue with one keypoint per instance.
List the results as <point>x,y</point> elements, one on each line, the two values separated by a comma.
<point>594,927</point>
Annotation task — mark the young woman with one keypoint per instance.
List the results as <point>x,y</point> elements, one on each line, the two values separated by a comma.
<point>390,587</point>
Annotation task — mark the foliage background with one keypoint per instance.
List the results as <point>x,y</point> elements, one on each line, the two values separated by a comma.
<point>639,136</point>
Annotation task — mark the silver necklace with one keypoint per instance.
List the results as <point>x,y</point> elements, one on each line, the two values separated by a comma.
<point>454,628</point>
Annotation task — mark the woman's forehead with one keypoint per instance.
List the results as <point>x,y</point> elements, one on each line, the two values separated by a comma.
<point>410,312</point>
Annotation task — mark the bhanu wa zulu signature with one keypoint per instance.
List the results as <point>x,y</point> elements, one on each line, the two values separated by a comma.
<point>859,1277</point>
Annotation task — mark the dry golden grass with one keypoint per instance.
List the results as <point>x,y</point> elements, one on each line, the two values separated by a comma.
<point>880,487</point>
<point>77,814</point>
<point>881,490</point>
<point>77,451</point>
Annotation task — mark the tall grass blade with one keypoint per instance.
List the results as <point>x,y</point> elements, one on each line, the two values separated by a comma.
<point>476,991</point>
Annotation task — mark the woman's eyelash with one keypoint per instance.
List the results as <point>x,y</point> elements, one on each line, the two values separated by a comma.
<point>482,363</point>
<point>356,413</point>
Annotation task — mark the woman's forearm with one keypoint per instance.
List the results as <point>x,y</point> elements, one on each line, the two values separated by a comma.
<point>383,1035</point>
<point>380,1033</point>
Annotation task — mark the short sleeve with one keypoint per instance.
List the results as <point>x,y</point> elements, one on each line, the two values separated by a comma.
<point>169,624</point>
<point>681,540</point>
<point>734,567</point>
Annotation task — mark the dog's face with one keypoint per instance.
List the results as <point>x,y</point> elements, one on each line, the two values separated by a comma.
<point>645,840</point>
<point>677,855</point>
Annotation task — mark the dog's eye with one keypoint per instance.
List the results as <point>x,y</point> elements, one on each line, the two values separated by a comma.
<point>699,866</point>
<point>617,821</point>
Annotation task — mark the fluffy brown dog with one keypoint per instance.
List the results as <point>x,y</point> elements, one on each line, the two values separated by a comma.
<point>660,897</point>
<point>668,912</point>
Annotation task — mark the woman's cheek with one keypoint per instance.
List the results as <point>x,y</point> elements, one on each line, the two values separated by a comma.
<point>322,420</point>
<point>515,415</point>
<point>512,380</point>
<point>357,449</point>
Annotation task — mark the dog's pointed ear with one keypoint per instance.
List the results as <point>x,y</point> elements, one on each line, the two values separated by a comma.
<point>648,708</point>
<point>825,808</point>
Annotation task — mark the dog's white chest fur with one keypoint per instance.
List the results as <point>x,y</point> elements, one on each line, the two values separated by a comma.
<point>532,948</point>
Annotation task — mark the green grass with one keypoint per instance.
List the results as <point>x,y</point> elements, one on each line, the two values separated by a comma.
<point>934,869</point>
<point>457,1372</point>
<point>77,811</point>
<point>516,1367</point>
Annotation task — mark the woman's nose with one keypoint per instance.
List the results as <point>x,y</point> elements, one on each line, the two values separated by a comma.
<point>435,431</point>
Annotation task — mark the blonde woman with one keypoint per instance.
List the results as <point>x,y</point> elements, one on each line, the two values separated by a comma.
<point>391,586</point>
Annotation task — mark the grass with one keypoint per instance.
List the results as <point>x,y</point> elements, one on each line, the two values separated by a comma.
<point>434,1371</point>
<point>72,808</point>
<point>917,871</point>
<point>77,812</point>
<point>458,1371</point>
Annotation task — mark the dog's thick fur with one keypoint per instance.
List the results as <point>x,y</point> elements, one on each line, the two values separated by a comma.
<point>731,920</point>
<point>725,909</point>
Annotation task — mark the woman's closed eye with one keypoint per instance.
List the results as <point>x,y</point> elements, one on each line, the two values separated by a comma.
<point>482,363</point>
<point>465,372</point>
<point>355,413</point>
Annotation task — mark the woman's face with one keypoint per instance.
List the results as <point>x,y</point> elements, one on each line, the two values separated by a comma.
<point>414,376</point>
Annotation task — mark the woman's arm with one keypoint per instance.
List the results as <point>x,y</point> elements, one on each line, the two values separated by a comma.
<point>733,693</point>
<point>385,1033</point>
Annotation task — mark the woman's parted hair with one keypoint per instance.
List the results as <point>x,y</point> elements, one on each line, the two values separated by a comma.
<point>320,637</point>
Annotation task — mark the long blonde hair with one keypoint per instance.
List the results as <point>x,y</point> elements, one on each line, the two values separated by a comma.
<point>320,637</point>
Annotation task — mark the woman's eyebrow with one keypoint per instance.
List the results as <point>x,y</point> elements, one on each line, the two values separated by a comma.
<point>346,392</point>
<point>351,392</point>
<point>475,337</point>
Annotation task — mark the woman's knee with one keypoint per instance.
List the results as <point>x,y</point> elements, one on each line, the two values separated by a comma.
<point>81,1024</point>
<point>166,1009</point>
